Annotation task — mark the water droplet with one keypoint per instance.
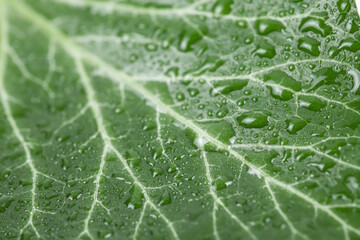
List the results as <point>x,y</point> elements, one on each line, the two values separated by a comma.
<point>222,183</point>
<point>242,24</point>
<point>227,86</point>
<point>156,171</point>
<point>295,124</point>
<point>291,67</point>
<point>266,26</point>
<point>311,103</point>
<point>324,76</point>
<point>356,81</point>
<point>5,202</point>
<point>46,184</point>
<point>280,93</point>
<point>73,216</point>
<point>151,47</point>
<point>253,120</point>
<point>351,26</point>
<point>165,198</point>
<point>75,194</point>
<point>264,50</point>
<point>193,92</point>
<point>222,6</point>
<point>281,78</point>
<point>104,234</point>
<point>349,44</point>
<point>135,200</point>
<point>180,96</point>
<point>315,25</point>
<point>187,39</point>
<point>309,45</point>
<point>343,6</point>
<point>149,125</point>
<point>65,164</point>
<point>222,113</point>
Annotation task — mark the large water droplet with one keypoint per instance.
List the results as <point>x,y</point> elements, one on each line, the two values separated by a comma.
<point>356,81</point>
<point>187,39</point>
<point>281,78</point>
<point>136,198</point>
<point>311,103</point>
<point>222,183</point>
<point>324,76</point>
<point>316,25</point>
<point>266,26</point>
<point>264,50</point>
<point>280,93</point>
<point>349,44</point>
<point>309,45</point>
<point>227,86</point>
<point>253,120</point>
<point>222,6</point>
<point>295,124</point>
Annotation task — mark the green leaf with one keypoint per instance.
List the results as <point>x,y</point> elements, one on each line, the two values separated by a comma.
<point>160,119</point>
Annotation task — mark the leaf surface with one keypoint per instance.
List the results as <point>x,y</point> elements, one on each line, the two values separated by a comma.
<point>163,119</point>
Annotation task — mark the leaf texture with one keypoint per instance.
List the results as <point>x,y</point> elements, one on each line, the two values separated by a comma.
<point>179,119</point>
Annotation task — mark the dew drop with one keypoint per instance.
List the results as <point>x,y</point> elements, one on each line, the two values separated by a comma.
<point>241,24</point>
<point>281,78</point>
<point>180,96</point>
<point>222,6</point>
<point>227,86</point>
<point>222,113</point>
<point>264,50</point>
<point>295,124</point>
<point>253,120</point>
<point>193,92</point>
<point>315,25</point>
<point>280,93</point>
<point>136,198</point>
<point>266,26</point>
<point>309,45</point>
<point>311,103</point>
